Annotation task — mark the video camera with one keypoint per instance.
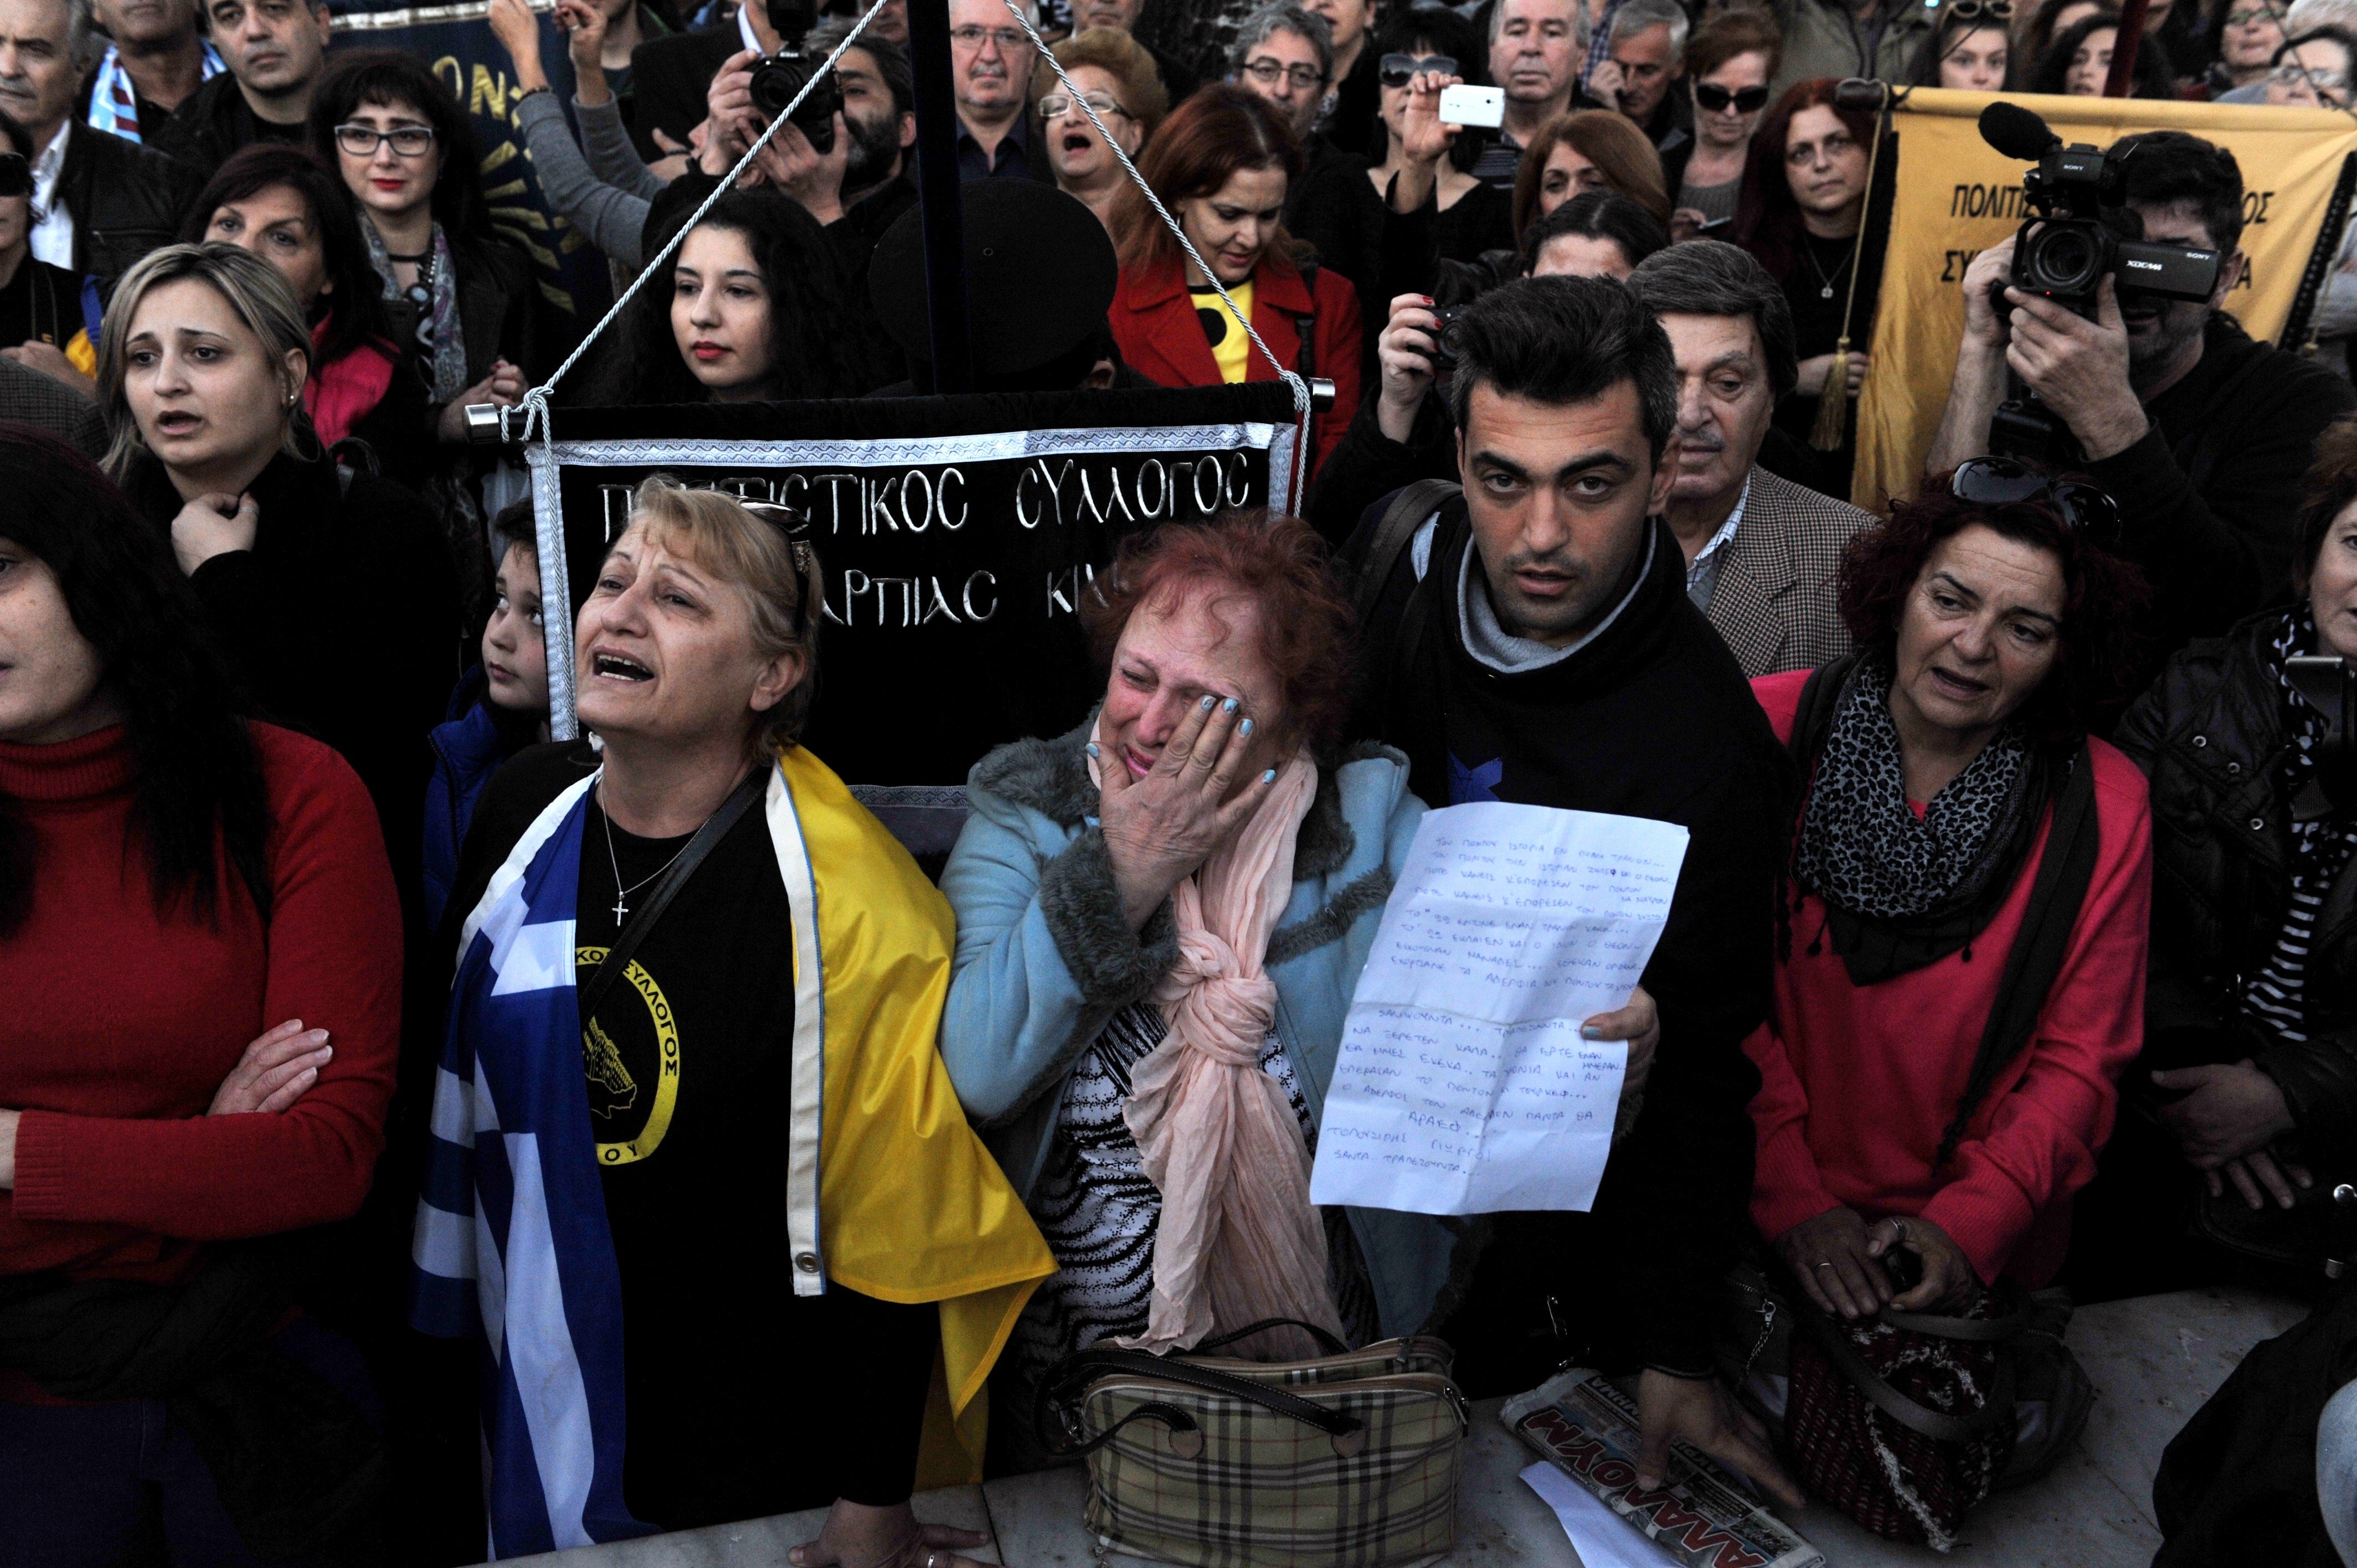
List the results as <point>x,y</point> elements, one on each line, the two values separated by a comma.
<point>778,76</point>
<point>2081,232</point>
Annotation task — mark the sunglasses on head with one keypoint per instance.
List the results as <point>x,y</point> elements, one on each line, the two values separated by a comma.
<point>1977,10</point>
<point>795,524</point>
<point>16,175</point>
<point>1397,71</point>
<point>1715,98</point>
<point>2088,509</point>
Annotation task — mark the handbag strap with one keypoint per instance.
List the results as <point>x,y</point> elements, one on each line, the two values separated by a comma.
<point>715,827</point>
<point>1084,1367</point>
<point>1938,1425</point>
<point>1326,1340</point>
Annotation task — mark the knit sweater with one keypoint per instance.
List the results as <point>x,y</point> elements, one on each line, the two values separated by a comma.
<point>121,1026</point>
<point>1857,1083</point>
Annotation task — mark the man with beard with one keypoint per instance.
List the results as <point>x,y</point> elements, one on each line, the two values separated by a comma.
<point>273,49</point>
<point>1533,643</point>
<point>1762,552</point>
<point>2198,433</point>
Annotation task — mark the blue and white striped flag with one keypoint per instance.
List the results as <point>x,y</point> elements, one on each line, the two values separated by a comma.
<point>512,1243</point>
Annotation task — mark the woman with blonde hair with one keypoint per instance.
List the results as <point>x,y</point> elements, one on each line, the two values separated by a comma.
<point>1117,79</point>
<point>1588,149</point>
<point>724,1305</point>
<point>330,593</point>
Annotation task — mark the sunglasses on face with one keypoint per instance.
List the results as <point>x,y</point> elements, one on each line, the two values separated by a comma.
<point>16,175</point>
<point>1397,71</point>
<point>1718,99</point>
<point>2001,481</point>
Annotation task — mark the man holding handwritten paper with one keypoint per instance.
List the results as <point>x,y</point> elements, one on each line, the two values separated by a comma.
<point>1534,643</point>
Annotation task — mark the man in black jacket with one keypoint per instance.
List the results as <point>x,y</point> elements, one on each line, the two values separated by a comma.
<point>273,49</point>
<point>2199,434</point>
<point>106,202</point>
<point>1534,643</point>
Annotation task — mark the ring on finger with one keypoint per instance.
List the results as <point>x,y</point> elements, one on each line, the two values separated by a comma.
<point>1824,1263</point>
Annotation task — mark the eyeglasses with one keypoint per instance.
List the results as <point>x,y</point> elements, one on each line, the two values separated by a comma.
<point>1269,71</point>
<point>363,141</point>
<point>1398,71</point>
<point>16,175</point>
<point>1710,95</point>
<point>2250,15</point>
<point>1056,105</point>
<point>1008,39</point>
<point>2088,509</point>
<point>2291,73</point>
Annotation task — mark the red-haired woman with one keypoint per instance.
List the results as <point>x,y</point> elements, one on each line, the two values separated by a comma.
<point>1224,163</point>
<point>1588,149</point>
<point>1161,916</point>
<point>1802,203</point>
<point>1965,850</point>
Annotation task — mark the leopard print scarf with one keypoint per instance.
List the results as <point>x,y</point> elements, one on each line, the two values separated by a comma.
<point>1863,850</point>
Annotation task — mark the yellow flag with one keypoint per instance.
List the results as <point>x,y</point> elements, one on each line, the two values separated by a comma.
<point>1956,195</point>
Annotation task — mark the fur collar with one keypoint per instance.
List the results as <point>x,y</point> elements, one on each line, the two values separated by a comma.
<point>1051,777</point>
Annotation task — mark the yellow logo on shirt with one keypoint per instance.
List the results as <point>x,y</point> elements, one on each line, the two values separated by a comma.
<point>603,1063</point>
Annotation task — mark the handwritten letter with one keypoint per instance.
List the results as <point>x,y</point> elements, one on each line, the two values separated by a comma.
<point>1463,1086</point>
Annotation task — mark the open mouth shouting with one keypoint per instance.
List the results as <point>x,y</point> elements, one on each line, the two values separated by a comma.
<point>606,665</point>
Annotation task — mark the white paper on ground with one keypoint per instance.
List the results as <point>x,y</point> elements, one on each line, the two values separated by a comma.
<point>1600,1536</point>
<point>1463,1086</point>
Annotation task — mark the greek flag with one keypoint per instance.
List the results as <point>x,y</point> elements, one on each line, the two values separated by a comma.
<point>512,1244</point>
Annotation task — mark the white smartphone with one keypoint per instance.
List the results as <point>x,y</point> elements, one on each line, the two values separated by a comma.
<point>1473,106</point>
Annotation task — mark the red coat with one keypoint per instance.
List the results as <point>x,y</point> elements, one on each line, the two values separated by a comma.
<point>1154,321</point>
<point>1857,1083</point>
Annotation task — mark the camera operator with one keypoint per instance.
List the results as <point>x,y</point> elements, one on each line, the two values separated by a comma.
<point>2201,434</point>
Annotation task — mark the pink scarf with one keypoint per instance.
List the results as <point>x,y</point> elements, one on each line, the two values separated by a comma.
<point>1238,1240</point>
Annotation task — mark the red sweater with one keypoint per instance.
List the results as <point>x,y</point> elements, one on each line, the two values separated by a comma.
<point>120,1026</point>
<point>1857,1084</point>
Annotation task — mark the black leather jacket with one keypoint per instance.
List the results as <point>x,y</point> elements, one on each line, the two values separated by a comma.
<point>126,201</point>
<point>2209,736</point>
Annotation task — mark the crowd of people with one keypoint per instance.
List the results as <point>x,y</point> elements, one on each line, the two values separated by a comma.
<point>2014,943</point>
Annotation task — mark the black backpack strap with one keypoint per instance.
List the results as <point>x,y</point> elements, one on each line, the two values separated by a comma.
<point>1814,719</point>
<point>715,827</point>
<point>2065,870</point>
<point>1409,511</point>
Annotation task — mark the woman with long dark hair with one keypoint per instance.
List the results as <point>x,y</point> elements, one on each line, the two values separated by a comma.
<point>755,310</point>
<point>207,1056</point>
<point>1970,50</point>
<point>1588,149</point>
<point>1804,201</point>
<point>282,203</point>
<point>1223,164</point>
<point>2079,62</point>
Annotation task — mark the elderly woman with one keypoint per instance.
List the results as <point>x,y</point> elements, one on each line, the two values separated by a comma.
<point>2246,1076</point>
<point>1161,916</point>
<point>333,596</point>
<point>1117,79</point>
<point>1730,60</point>
<point>1960,975</point>
<point>725,1305</point>
<point>200,1051</point>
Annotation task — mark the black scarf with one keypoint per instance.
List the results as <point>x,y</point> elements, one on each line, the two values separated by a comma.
<point>1902,892</point>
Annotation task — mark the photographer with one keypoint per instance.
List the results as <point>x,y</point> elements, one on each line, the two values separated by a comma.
<point>2201,434</point>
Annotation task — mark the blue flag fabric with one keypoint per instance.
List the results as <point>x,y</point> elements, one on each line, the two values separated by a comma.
<point>512,1244</point>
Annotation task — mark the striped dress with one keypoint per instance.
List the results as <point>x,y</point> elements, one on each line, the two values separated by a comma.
<point>1098,1210</point>
<point>2278,995</point>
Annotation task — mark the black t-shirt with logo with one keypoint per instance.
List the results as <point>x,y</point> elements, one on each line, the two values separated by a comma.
<point>744,1400</point>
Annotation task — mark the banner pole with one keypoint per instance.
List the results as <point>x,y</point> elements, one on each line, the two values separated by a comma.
<point>2124,47</point>
<point>938,200</point>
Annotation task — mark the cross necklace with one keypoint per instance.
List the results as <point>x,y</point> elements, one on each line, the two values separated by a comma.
<point>622,894</point>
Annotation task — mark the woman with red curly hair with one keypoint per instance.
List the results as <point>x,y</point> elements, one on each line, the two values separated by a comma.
<point>1224,163</point>
<point>1965,851</point>
<point>1161,916</point>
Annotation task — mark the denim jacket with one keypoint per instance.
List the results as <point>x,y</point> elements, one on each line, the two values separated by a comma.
<point>1045,959</point>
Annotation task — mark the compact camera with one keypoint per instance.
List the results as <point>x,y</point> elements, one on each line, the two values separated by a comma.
<point>778,76</point>
<point>1446,335</point>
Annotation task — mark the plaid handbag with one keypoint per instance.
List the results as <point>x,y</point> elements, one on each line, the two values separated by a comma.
<point>1350,1459</point>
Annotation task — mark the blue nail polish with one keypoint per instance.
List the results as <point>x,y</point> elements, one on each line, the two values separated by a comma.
<point>1229,706</point>
<point>1092,748</point>
<point>1244,728</point>
<point>1269,776</point>
<point>1207,703</point>
<point>1591,1032</point>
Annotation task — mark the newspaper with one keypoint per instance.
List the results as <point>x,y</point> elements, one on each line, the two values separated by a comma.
<point>1588,1428</point>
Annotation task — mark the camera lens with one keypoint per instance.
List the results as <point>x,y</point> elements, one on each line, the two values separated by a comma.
<point>775,82</point>
<point>2065,258</point>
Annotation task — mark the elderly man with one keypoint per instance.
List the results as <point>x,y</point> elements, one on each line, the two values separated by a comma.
<point>102,202</point>
<point>155,61</point>
<point>1645,61</point>
<point>1760,552</point>
<point>1534,56</point>
<point>1285,54</point>
<point>990,74</point>
<point>273,49</point>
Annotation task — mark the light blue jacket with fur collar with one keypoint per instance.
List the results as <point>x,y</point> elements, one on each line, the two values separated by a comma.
<point>1044,959</point>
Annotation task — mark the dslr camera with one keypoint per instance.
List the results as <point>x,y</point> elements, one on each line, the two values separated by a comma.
<point>778,76</point>
<point>2081,231</point>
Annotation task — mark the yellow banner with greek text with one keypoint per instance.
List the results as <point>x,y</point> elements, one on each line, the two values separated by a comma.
<point>1955,195</point>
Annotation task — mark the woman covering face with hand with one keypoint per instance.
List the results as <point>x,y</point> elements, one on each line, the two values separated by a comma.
<point>202,1053</point>
<point>1161,917</point>
<point>333,600</point>
<point>730,1077</point>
